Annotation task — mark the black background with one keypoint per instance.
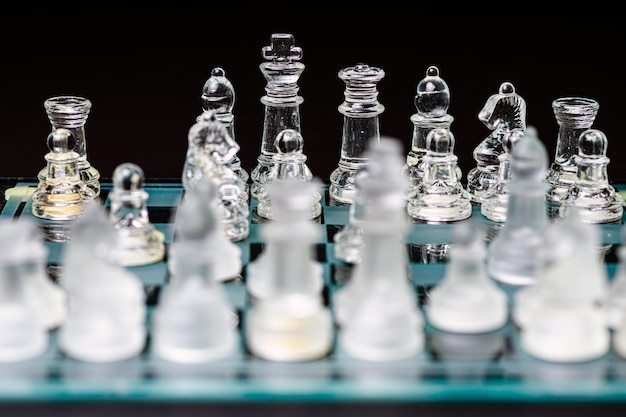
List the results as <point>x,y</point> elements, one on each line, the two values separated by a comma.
<point>144,74</point>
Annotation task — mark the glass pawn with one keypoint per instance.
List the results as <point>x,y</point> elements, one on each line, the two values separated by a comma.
<point>376,310</point>
<point>201,214</point>
<point>514,254</point>
<point>574,115</point>
<point>564,320</point>
<point>23,333</point>
<point>72,112</point>
<point>282,70</point>
<point>62,194</point>
<point>440,196</point>
<point>291,324</point>
<point>496,200</point>
<point>361,125</point>
<point>195,321</point>
<point>140,242</point>
<point>596,199</point>
<point>501,113</point>
<point>431,101</point>
<point>209,151</point>
<point>289,162</point>
<point>467,300</point>
<point>106,320</point>
<point>383,156</point>
<point>218,95</point>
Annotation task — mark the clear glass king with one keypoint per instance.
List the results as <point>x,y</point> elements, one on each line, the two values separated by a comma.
<point>360,124</point>
<point>282,102</point>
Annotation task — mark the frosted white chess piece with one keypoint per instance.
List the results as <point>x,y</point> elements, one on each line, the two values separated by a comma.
<point>140,242</point>
<point>561,315</point>
<point>200,212</point>
<point>106,320</point>
<point>467,300</point>
<point>513,257</point>
<point>376,310</point>
<point>291,323</point>
<point>195,321</point>
<point>25,293</point>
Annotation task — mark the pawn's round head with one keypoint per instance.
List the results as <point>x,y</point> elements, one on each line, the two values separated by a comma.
<point>128,177</point>
<point>592,143</point>
<point>61,141</point>
<point>289,142</point>
<point>440,141</point>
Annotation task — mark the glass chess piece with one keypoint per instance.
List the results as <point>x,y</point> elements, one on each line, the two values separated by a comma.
<point>62,195</point>
<point>289,162</point>
<point>562,320</point>
<point>106,320</point>
<point>467,300</point>
<point>218,95</point>
<point>282,70</point>
<point>71,112</point>
<point>376,310</point>
<point>361,111</point>
<point>208,154</point>
<point>140,242</point>
<point>574,115</point>
<point>513,257</point>
<point>496,200</point>
<point>440,196</point>
<point>383,158</point>
<point>291,324</point>
<point>591,192</point>
<point>432,100</point>
<point>195,321</point>
<point>615,300</point>
<point>501,113</point>
<point>200,209</point>
<point>47,299</point>
<point>23,334</point>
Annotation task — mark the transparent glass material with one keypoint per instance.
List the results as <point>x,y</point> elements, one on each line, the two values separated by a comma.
<point>574,115</point>
<point>197,220</point>
<point>513,257</point>
<point>289,163</point>
<point>360,111</point>
<point>282,71</point>
<point>23,333</point>
<point>495,202</point>
<point>218,95</point>
<point>502,113</point>
<point>440,196</point>
<point>563,319</point>
<point>195,321</point>
<point>597,201</point>
<point>385,157</point>
<point>291,323</point>
<point>62,194</point>
<point>140,242</point>
<point>467,300</point>
<point>376,310</point>
<point>71,112</point>
<point>106,321</point>
<point>431,101</point>
<point>209,152</point>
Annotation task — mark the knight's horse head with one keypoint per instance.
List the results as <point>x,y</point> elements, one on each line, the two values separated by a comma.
<point>211,135</point>
<point>505,110</point>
